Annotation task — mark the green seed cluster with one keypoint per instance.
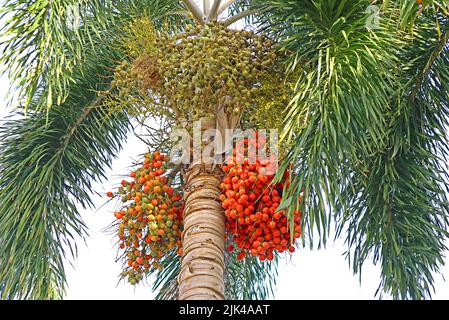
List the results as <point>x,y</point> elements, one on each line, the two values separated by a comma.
<point>194,73</point>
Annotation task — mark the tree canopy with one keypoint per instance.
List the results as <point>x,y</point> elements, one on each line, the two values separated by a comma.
<point>365,120</point>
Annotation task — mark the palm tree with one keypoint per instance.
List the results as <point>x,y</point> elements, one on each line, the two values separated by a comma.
<point>365,130</point>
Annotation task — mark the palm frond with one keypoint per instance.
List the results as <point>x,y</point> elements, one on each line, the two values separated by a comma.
<point>48,163</point>
<point>410,11</point>
<point>250,279</point>
<point>372,154</point>
<point>45,41</point>
<point>166,281</point>
<point>57,153</point>
<point>342,94</point>
<point>400,213</point>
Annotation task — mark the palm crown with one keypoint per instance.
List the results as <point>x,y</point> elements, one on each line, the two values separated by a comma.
<point>363,109</point>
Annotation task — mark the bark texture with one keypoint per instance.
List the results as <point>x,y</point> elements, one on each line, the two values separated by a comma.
<point>202,269</point>
<point>202,266</point>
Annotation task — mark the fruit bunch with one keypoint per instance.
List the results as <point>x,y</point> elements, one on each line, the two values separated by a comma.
<point>150,221</point>
<point>251,202</point>
<point>194,70</point>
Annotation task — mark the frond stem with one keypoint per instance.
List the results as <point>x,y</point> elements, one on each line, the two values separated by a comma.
<point>238,17</point>
<point>213,14</point>
<point>72,129</point>
<point>206,7</point>
<point>195,10</point>
<point>224,5</point>
<point>433,57</point>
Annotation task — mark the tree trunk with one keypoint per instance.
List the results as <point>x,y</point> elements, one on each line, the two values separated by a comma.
<point>202,266</point>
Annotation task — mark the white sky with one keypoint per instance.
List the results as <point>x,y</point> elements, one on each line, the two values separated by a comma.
<point>317,274</point>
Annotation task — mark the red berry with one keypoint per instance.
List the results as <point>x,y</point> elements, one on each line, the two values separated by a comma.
<point>251,201</point>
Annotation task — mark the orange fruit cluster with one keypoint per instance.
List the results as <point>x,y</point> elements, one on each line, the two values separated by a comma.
<point>150,221</point>
<point>251,202</point>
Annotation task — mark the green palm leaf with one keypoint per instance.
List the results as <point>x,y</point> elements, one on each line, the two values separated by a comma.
<point>342,94</point>
<point>56,154</point>
<point>45,41</point>
<point>371,156</point>
<point>55,157</point>
<point>401,213</point>
<point>250,279</point>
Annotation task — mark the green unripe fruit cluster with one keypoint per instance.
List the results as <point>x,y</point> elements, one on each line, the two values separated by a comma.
<point>192,73</point>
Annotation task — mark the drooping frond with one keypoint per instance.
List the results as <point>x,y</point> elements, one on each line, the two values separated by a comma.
<point>166,281</point>
<point>399,209</point>
<point>44,42</point>
<point>342,95</point>
<point>250,279</point>
<point>372,156</point>
<point>410,11</point>
<point>50,158</point>
<point>47,165</point>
